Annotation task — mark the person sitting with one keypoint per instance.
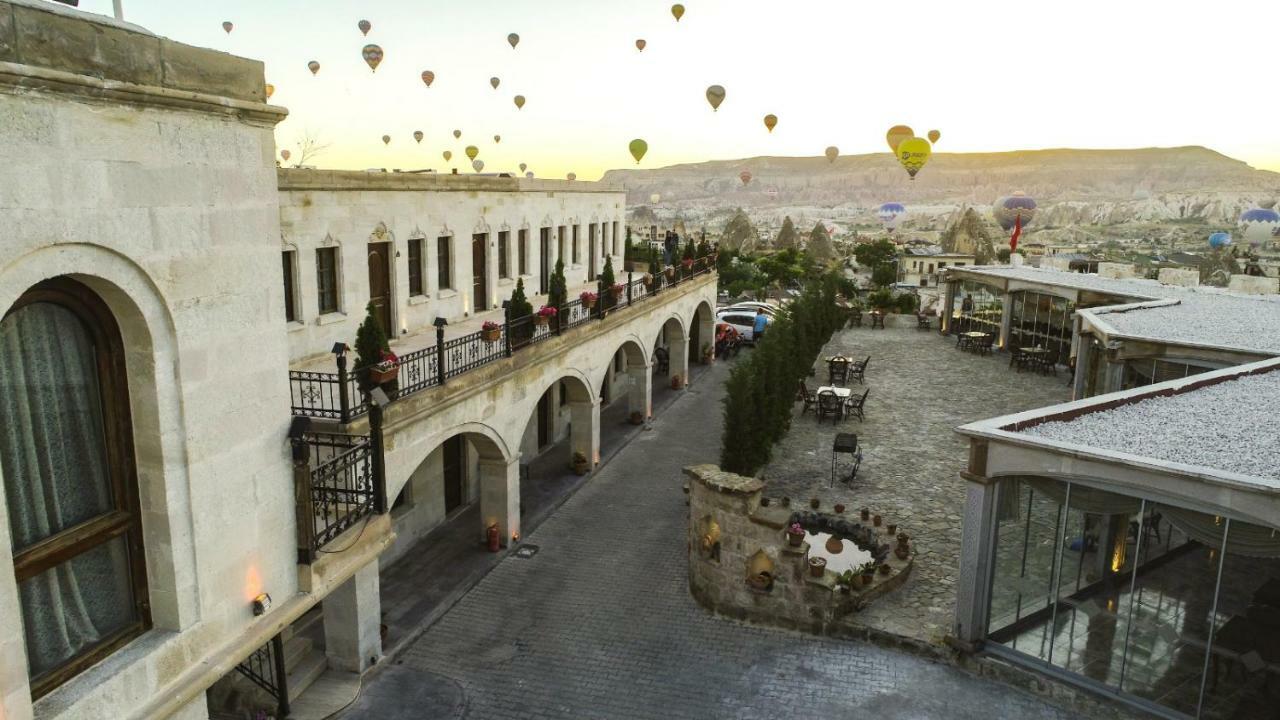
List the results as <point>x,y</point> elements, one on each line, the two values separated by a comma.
<point>726,339</point>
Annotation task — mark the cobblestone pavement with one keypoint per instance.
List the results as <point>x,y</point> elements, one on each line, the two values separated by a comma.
<point>921,389</point>
<point>600,623</point>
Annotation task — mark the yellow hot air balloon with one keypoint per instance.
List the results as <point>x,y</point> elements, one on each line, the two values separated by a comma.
<point>472,151</point>
<point>897,134</point>
<point>478,165</point>
<point>270,90</point>
<point>913,153</point>
<point>497,139</point>
<point>638,148</point>
<point>514,39</point>
<point>832,153</point>
<point>934,135</point>
<point>417,135</point>
<point>364,26</point>
<point>314,67</point>
<point>226,25</point>
<point>640,44</point>
<point>448,155</point>
<point>572,176</point>
<point>677,11</point>
<point>494,82</point>
<point>386,139</point>
<point>770,122</point>
<point>457,134</point>
<point>284,155</point>
<point>372,55</point>
<point>519,101</point>
<point>428,77</point>
<point>715,96</point>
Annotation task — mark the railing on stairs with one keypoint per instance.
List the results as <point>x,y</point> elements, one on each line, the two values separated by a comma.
<point>265,667</point>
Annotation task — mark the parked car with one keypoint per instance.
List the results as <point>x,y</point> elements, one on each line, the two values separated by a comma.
<point>743,320</point>
<point>770,310</point>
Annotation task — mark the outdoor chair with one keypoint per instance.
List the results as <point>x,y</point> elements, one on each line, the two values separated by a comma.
<point>805,396</point>
<point>854,406</point>
<point>855,317</point>
<point>829,404</point>
<point>837,372</point>
<point>984,345</point>
<point>859,371</point>
<point>877,320</point>
<point>846,444</point>
<point>963,342</point>
<point>923,322</point>
<point>1019,360</point>
<point>662,360</point>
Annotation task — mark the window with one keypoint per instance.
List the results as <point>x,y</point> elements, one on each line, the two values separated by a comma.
<point>577,234</point>
<point>415,267</point>
<point>327,279</point>
<point>504,269</point>
<point>564,395</point>
<point>616,250</point>
<point>66,452</point>
<point>522,252</point>
<point>561,233</point>
<point>444,265</point>
<point>290,292</point>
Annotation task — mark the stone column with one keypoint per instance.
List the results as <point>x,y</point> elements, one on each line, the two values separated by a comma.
<point>640,391</point>
<point>948,307</point>
<point>584,430</point>
<point>977,544</point>
<point>679,352</point>
<point>500,498</point>
<point>1006,319</point>
<point>1083,358</point>
<point>352,616</point>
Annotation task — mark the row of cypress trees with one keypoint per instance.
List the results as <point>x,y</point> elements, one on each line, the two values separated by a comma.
<point>761,388</point>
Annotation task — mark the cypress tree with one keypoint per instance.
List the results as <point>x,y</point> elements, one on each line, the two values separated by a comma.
<point>557,289</point>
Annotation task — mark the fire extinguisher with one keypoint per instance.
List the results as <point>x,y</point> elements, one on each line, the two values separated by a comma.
<point>494,538</point>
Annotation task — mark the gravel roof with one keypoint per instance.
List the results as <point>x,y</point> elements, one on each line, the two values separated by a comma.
<point>1210,427</point>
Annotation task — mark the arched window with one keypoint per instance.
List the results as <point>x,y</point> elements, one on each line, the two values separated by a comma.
<point>66,454</point>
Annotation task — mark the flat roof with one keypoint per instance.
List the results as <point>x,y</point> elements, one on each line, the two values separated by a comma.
<point>302,179</point>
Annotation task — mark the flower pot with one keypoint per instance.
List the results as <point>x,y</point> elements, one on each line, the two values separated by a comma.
<point>670,272</point>
<point>839,509</point>
<point>541,320</point>
<point>617,294</point>
<point>817,566</point>
<point>648,281</point>
<point>676,382</point>
<point>902,552</point>
<point>891,529</point>
<point>588,304</point>
<point>491,335</point>
<point>378,377</point>
<point>786,502</point>
<point>814,503</point>
<point>637,418</point>
<point>876,520</point>
<point>884,569</point>
<point>581,468</point>
<point>867,579</point>
<point>795,539</point>
<point>866,514</point>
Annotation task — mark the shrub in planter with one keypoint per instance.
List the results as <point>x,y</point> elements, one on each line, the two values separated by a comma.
<point>375,364</point>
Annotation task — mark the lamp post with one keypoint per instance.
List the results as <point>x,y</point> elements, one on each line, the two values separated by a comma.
<point>440,324</point>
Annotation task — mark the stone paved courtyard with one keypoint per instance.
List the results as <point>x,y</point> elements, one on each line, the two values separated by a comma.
<point>921,388</point>
<point>600,623</point>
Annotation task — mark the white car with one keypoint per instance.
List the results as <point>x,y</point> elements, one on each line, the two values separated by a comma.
<point>770,310</point>
<point>743,320</point>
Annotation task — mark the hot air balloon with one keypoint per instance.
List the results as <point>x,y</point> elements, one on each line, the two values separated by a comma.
<point>364,26</point>
<point>638,148</point>
<point>913,153</point>
<point>417,136</point>
<point>269,89</point>
<point>529,174</point>
<point>677,11</point>
<point>1258,225</point>
<point>472,151</point>
<point>428,77</point>
<point>448,155</point>
<point>772,192</point>
<point>1008,210</point>
<point>640,44</point>
<point>934,135</point>
<point>519,101</point>
<point>386,139</point>
<point>572,176</point>
<point>745,177</point>
<point>494,82</point>
<point>497,139</point>
<point>896,135</point>
<point>514,39</point>
<point>832,153</point>
<point>284,155</point>
<point>457,134</point>
<point>372,55</point>
<point>889,214</point>
<point>478,165</point>
<point>314,67</point>
<point>715,96</point>
<point>227,26</point>
<point>1219,240</point>
<point>523,167</point>
<point>770,122</point>
<point>654,199</point>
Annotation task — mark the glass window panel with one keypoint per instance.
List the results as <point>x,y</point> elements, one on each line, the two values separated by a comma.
<point>1028,524</point>
<point>415,267</point>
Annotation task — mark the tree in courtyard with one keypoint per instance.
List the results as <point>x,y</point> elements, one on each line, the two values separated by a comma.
<point>884,275</point>
<point>872,254</point>
<point>788,238</point>
<point>820,247</point>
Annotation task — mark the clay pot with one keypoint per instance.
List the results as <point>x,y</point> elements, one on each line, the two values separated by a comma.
<point>876,520</point>
<point>764,502</point>
<point>637,418</point>
<point>794,539</point>
<point>491,335</point>
<point>866,514</point>
<point>786,502</point>
<point>867,579</point>
<point>814,503</point>
<point>834,545</point>
<point>902,552</point>
<point>891,529</point>
<point>676,382</point>
<point>817,566</point>
<point>884,569</point>
<point>839,509</point>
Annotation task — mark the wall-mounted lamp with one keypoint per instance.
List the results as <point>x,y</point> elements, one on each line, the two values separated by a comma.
<point>261,604</point>
<point>339,349</point>
<point>297,428</point>
<point>439,322</point>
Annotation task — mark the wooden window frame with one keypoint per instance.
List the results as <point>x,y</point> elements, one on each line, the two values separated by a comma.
<point>504,257</point>
<point>289,263</point>
<point>416,286</point>
<point>332,278</point>
<point>522,251</point>
<point>444,262</point>
<point>577,237</point>
<point>125,519</point>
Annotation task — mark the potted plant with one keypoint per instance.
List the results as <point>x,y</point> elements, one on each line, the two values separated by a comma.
<point>375,363</point>
<point>544,315</point>
<point>580,464</point>
<point>885,569</point>
<point>490,331</point>
<point>648,280</point>
<point>670,272</point>
<point>386,369</point>
<point>795,535</point>
<point>891,529</point>
<point>839,509</point>
<point>687,263</point>
<point>676,382</point>
<point>588,299</point>
<point>814,503</point>
<point>876,520</point>
<point>817,566</point>
<point>636,418</point>
<point>616,289</point>
<point>868,573</point>
<point>844,581</point>
<point>866,514</point>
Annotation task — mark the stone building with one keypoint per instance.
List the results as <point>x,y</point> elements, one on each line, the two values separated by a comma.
<point>196,487</point>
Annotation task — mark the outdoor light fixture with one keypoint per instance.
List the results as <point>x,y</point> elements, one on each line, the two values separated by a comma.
<point>339,349</point>
<point>439,322</point>
<point>261,604</point>
<point>297,428</point>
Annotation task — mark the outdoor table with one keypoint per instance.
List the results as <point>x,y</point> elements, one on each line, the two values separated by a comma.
<point>966,339</point>
<point>1039,356</point>
<point>841,392</point>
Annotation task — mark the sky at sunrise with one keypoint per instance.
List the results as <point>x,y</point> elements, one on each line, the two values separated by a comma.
<point>991,75</point>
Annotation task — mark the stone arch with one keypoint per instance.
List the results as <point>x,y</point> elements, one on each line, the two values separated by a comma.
<point>672,339</point>
<point>574,390</point>
<point>636,370</point>
<point>702,330</point>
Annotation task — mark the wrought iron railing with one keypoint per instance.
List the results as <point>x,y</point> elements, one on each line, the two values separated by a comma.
<point>265,667</point>
<point>338,396</point>
<point>340,482</point>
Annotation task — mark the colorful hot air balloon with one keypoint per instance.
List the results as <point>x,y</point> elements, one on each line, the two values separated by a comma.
<point>386,139</point>
<point>519,101</point>
<point>457,134</point>
<point>428,77</point>
<point>1015,210</point>
<point>913,153</point>
<point>448,155</point>
<point>529,174</point>
<point>934,136</point>
<point>1258,225</point>
<point>1219,240</point>
<point>494,82</point>
<point>572,176</point>
<point>472,151</point>
<point>227,26</point>
<point>497,139</point>
<point>417,136</point>
<point>677,11</point>
<point>715,96</point>
<point>638,148</point>
<point>364,26</point>
<point>523,167</point>
<point>770,122</point>
<point>640,44</point>
<point>889,214</point>
<point>832,153</point>
<point>284,155</point>
<point>269,89</point>
<point>514,39</point>
<point>654,199</point>
<point>372,55</point>
<point>478,165</point>
<point>745,177</point>
<point>896,135</point>
<point>314,67</point>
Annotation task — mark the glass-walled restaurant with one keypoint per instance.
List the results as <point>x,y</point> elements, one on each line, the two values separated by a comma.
<point>1040,320</point>
<point>977,307</point>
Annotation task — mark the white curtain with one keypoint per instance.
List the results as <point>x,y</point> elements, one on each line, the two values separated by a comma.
<point>53,458</point>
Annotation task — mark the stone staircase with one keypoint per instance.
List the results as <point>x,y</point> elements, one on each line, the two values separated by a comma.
<point>304,658</point>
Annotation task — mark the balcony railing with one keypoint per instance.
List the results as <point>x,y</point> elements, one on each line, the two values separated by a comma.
<point>339,481</point>
<point>266,668</point>
<point>337,396</point>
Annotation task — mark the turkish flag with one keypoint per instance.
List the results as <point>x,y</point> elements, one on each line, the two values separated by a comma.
<point>1017,232</point>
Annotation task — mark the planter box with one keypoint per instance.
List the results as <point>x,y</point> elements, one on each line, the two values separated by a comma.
<point>541,320</point>
<point>378,377</point>
<point>491,335</point>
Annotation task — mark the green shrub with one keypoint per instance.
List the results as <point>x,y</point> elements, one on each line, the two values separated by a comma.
<point>880,299</point>
<point>908,303</point>
<point>557,289</point>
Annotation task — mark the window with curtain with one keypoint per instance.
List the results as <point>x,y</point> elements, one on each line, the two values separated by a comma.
<point>444,266</point>
<point>327,279</point>
<point>66,452</point>
<point>415,267</point>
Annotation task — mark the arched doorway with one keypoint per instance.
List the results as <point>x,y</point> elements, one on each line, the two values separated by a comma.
<point>671,354</point>
<point>563,425</point>
<point>702,334</point>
